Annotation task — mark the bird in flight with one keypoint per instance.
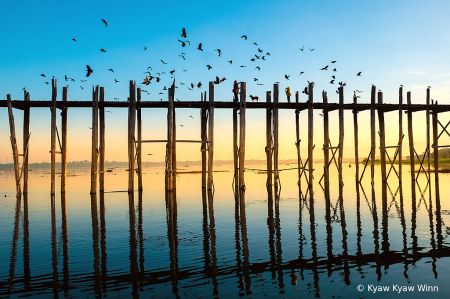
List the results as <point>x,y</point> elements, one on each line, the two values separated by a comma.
<point>358,74</point>
<point>163,62</point>
<point>182,56</point>
<point>82,87</point>
<point>301,73</point>
<point>243,66</point>
<point>116,80</point>
<point>191,116</point>
<point>230,61</point>
<point>334,70</point>
<point>111,70</point>
<point>257,68</point>
<point>89,71</point>
<point>74,39</point>
<point>259,50</point>
<point>199,85</point>
<point>46,83</point>
<point>312,49</point>
<point>255,44</point>
<point>145,48</point>
<point>171,72</point>
<point>184,70</point>
<point>200,47</point>
<point>334,61</point>
<point>218,51</point>
<point>244,37</point>
<point>116,99</point>
<point>83,80</point>
<point>332,81</point>
<point>324,68</point>
<point>181,126</point>
<point>42,75</point>
<point>183,43</point>
<point>302,48</point>
<point>183,33</point>
<point>102,50</point>
<point>209,67</point>
<point>104,22</point>
<point>287,77</point>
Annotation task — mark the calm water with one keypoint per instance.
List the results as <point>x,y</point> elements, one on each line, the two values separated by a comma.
<point>196,244</point>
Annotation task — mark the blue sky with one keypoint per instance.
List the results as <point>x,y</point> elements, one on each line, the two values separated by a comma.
<point>390,42</point>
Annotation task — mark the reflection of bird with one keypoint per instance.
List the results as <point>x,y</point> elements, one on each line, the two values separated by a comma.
<point>89,71</point>
<point>104,22</point>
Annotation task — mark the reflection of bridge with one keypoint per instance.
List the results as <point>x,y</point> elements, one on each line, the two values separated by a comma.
<point>101,281</point>
<point>239,106</point>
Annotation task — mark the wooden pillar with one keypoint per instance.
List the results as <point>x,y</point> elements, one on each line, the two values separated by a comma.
<point>428,131</point>
<point>275,133</point>
<point>64,141</point>
<point>372,133</point>
<point>355,133</point>
<point>204,138</point>
<point>326,140</point>
<point>26,140</point>
<point>243,104</point>
<point>94,159</point>
<point>411,141</point>
<point>435,147</point>
<point>382,138</point>
<point>235,140</point>
<point>341,133</point>
<point>174,144</point>
<point>102,139</point>
<point>211,135</point>
<point>400,133</point>
<point>310,132</point>
<point>139,137</point>
<point>297,139</point>
<point>269,145</point>
<point>131,135</point>
<point>53,137</point>
<point>14,145</point>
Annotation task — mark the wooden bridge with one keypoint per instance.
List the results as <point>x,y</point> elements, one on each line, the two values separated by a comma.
<point>239,106</point>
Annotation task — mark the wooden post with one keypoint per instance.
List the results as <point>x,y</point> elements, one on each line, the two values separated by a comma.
<point>326,140</point>
<point>139,137</point>
<point>428,131</point>
<point>64,142</point>
<point>102,139</point>
<point>310,132</point>
<point>382,138</point>
<point>204,139</point>
<point>53,136</point>
<point>131,135</point>
<point>94,160</point>
<point>26,140</point>
<point>14,145</point>
<point>435,147</point>
<point>243,104</point>
<point>400,133</point>
<point>355,133</point>
<point>297,139</point>
<point>211,135</point>
<point>174,142</point>
<point>235,140</point>
<point>411,142</point>
<point>275,133</point>
<point>341,133</point>
<point>372,133</point>
<point>269,139</point>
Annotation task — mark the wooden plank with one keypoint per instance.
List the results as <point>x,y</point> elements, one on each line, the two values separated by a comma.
<point>341,134</point>
<point>102,140</point>
<point>435,150</point>
<point>326,141</point>
<point>203,133</point>
<point>211,136</point>
<point>310,132</point>
<point>64,142</point>
<point>400,133</point>
<point>131,135</point>
<point>269,145</point>
<point>15,151</point>
<point>411,142</point>
<point>428,130</point>
<point>235,140</point>
<point>355,137</point>
<point>94,159</point>
<point>372,133</point>
<point>275,133</point>
<point>139,139</point>
<point>53,137</point>
<point>382,138</point>
<point>26,140</point>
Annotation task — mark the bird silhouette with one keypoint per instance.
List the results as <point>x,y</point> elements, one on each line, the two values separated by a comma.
<point>102,50</point>
<point>145,48</point>
<point>257,68</point>
<point>208,66</point>
<point>183,43</point>
<point>89,70</point>
<point>42,75</point>
<point>83,80</point>
<point>332,81</point>
<point>149,67</point>
<point>242,66</point>
<point>181,126</point>
<point>259,50</point>
<point>191,116</point>
<point>184,70</point>
<point>217,81</point>
<point>244,36</point>
<point>199,85</point>
<point>46,83</point>
<point>312,49</point>
<point>74,39</point>
<point>255,79</point>
<point>183,33</point>
<point>301,73</point>
<point>104,22</point>
<point>334,61</point>
<point>66,78</point>
<point>218,51</point>
<point>116,80</point>
<point>116,99</point>
<point>200,47</point>
<point>163,62</point>
<point>305,91</point>
<point>255,44</point>
<point>324,68</point>
<point>287,77</point>
<point>334,70</point>
<point>111,70</point>
<point>302,48</point>
<point>230,61</point>
<point>82,87</point>
<point>358,74</point>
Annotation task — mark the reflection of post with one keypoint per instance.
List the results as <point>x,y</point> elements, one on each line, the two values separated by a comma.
<point>204,140</point>
<point>329,229</point>
<point>12,264</point>
<point>278,240</point>
<point>432,239</point>
<point>269,138</point>
<point>26,139</point>
<point>212,229</point>
<point>95,248</point>
<point>134,268</point>
<point>359,232</point>
<point>65,238</point>
<point>301,202</point>
<point>64,142</point>
<point>102,139</point>
<point>414,224</point>
<point>245,251</point>
<point>237,239</point>
<point>271,227</point>
<point>141,239</point>
<point>315,260</point>
<point>205,226</point>
<point>344,237</point>
<point>242,109</point>
<point>172,235</point>
<point>376,233</point>
<point>403,223</point>
<point>103,241</point>
<point>54,249</point>
<point>26,245</point>
<point>94,168</point>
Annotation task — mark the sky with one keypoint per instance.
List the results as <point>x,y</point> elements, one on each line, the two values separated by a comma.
<point>389,42</point>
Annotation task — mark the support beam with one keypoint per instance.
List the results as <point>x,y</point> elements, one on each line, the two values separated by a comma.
<point>64,142</point>
<point>341,133</point>
<point>276,93</point>
<point>269,144</point>
<point>428,131</point>
<point>53,137</point>
<point>382,138</point>
<point>174,142</point>
<point>14,145</point>
<point>435,147</point>
<point>243,104</point>
<point>400,133</point>
<point>326,141</point>
<point>94,159</point>
<point>26,141</point>
<point>310,132</point>
<point>131,135</point>
<point>102,140</point>
<point>235,140</point>
<point>355,137</point>
<point>411,143</point>
<point>139,137</point>
<point>203,132</point>
<point>372,133</point>
<point>211,136</point>
<point>297,139</point>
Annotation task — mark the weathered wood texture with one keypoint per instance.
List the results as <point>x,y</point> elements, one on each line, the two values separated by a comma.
<point>235,141</point>
<point>297,140</point>
<point>243,95</point>
<point>310,132</point>
<point>53,137</point>
<point>355,137</point>
<point>326,140</point>
<point>131,135</point>
<point>382,139</point>
<point>94,159</point>
<point>204,137</point>
<point>139,137</point>
<point>12,130</point>
<point>64,142</point>
<point>269,144</point>
<point>400,133</point>
<point>174,142</point>
<point>372,133</point>
<point>102,140</point>
<point>26,142</point>
<point>275,132</point>
<point>341,133</point>
<point>211,135</point>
